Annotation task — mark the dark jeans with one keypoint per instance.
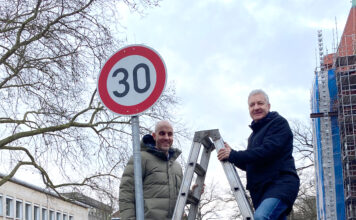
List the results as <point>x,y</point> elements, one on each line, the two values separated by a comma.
<point>271,209</point>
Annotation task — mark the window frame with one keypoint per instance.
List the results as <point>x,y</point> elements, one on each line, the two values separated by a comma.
<point>58,215</point>
<point>21,209</point>
<point>1,205</point>
<point>44,210</point>
<point>28,215</point>
<point>51,214</point>
<point>11,208</point>
<point>36,212</point>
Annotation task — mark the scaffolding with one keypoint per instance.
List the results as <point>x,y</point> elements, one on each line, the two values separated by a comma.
<point>324,115</point>
<point>335,131</point>
<point>345,69</point>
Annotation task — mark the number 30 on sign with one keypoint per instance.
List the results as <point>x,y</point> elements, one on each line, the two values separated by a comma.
<point>132,80</point>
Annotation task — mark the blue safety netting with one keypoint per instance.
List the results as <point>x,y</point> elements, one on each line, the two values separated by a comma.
<point>339,183</point>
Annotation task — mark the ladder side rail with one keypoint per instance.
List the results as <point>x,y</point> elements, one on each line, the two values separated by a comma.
<point>238,191</point>
<point>204,163</point>
<point>186,182</point>
<point>235,184</point>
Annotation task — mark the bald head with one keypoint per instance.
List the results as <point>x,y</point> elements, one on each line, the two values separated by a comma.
<point>161,124</point>
<point>163,136</point>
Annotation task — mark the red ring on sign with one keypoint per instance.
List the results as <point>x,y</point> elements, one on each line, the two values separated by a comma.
<point>159,66</point>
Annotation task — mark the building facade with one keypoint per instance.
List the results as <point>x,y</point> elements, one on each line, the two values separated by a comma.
<point>97,210</point>
<point>20,200</point>
<point>333,105</point>
<point>23,201</point>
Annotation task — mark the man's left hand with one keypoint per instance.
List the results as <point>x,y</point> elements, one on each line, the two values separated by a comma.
<point>196,185</point>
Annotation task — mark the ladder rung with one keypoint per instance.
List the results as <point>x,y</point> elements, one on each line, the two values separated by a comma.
<point>199,170</point>
<point>207,143</point>
<point>192,200</point>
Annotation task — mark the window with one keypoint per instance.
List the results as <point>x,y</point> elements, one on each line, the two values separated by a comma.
<point>9,207</point>
<point>19,209</point>
<point>58,214</point>
<point>51,215</point>
<point>71,218</point>
<point>36,212</point>
<point>44,214</point>
<point>28,211</point>
<point>64,216</point>
<point>1,206</point>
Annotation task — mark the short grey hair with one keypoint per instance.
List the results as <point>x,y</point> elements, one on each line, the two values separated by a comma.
<point>258,91</point>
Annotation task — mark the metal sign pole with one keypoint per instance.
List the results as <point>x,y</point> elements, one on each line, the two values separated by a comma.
<point>133,100</point>
<point>137,168</point>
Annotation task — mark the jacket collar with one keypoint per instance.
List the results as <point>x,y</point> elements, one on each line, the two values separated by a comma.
<point>259,124</point>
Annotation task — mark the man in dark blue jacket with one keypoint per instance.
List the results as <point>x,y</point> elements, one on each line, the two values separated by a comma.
<point>272,179</point>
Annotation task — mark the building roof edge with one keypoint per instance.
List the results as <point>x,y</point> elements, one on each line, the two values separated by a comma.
<point>42,190</point>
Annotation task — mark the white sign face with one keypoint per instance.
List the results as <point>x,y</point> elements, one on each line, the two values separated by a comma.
<point>132,80</point>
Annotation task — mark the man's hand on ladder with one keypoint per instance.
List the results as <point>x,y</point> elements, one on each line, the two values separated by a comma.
<point>224,153</point>
<point>196,185</point>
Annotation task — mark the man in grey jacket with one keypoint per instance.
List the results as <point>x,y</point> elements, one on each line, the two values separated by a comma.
<point>161,176</point>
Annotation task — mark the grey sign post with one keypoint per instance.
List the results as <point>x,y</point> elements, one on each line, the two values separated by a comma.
<point>129,83</point>
<point>137,167</point>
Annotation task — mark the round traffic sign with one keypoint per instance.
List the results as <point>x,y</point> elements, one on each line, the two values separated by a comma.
<point>132,80</point>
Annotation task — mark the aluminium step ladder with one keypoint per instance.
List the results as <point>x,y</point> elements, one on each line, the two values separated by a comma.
<point>186,196</point>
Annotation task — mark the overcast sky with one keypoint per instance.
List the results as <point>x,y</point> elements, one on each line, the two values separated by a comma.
<point>217,51</point>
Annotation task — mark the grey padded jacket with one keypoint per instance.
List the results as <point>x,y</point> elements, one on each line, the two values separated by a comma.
<point>161,179</point>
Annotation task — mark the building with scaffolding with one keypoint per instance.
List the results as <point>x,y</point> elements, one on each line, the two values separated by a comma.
<point>333,104</point>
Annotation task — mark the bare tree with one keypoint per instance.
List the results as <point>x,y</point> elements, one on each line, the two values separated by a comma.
<point>303,144</point>
<point>305,205</point>
<point>210,202</point>
<point>51,119</point>
<point>217,202</point>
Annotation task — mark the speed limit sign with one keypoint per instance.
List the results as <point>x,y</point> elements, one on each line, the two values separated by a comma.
<point>132,80</point>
